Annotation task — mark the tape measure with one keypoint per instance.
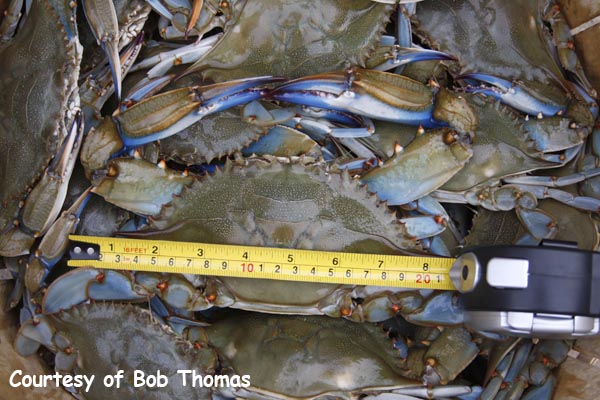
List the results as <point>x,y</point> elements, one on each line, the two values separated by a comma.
<point>261,262</point>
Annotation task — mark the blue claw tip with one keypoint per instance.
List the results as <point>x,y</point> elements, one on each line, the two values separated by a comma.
<point>512,95</point>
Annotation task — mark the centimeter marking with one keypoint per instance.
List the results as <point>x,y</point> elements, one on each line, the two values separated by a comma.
<point>269,263</point>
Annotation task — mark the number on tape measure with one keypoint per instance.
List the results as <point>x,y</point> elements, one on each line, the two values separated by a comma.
<point>269,263</point>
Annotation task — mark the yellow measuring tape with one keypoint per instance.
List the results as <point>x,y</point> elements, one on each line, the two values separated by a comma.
<point>263,262</point>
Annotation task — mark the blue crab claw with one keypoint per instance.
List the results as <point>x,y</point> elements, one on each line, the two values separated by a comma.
<point>34,333</point>
<point>400,56</point>
<point>46,200</point>
<point>589,100</point>
<point>102,18</point>
<point>144,89</point>
<point>160,9</point>
<point>513,95</point>
<point>54,244</point>
<point>170,316</point>
<point>167,113</point>
<point>440,308</point>
<point>83,284</point>
<point>428,162</point>
<point>374,94</point>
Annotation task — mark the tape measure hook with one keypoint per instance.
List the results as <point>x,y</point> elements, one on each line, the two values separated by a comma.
<point>84,251</point>
<point>465,272</point>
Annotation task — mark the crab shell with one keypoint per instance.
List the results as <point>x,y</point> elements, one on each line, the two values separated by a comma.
<point>102,338</point>
<point>40,68</point>
<point>502,38</point>
<point>295,38</point>
<point>307,357</point>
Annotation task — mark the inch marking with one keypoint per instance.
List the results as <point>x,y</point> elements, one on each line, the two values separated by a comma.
<point>269,263</point>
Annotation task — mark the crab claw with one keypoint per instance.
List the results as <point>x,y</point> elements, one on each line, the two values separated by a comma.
<point>83,284</point>
<point>513,94</point>
<point>102,18</point>
<point>428,162</point>
<point>46,200</point>
<point>165,114</point>
<point>196,7</point>
<point>160,9</point>
<point>400,56</point>
<point>54,244</point>
<point>374,94</point>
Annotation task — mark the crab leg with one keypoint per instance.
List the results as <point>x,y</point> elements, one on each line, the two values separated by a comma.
<point>99,86</point>
<point>553,181</point>
<point>563,40</point>
<point>162,62</point>
<point>160,9</point>
<point>388,57</point>
<point>10,21</point>
<point>513,95</point>
<point>102,18</point>
<point>146,88</point>
<point>165,114</point>
<point>582,202</point>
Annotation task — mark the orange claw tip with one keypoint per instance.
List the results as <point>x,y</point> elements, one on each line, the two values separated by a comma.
<point>440,220</point>
<point>545,361</point>
<point>211,297</point>
<point>345,311</point>
<point>396,308</point>
<point>196,8</point>
<point>100,277</point>
<point>162,286</point>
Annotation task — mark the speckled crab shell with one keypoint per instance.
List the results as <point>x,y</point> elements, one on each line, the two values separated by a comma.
<point>502,38</point>
<point>295,38</point>
<point>271,203</point>
<point>40,67</point>
<point>212,137</point>
<point>106,337</point>
<point>309,357</point>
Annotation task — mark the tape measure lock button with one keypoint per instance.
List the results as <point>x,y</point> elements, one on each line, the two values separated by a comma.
<point>507,273</point>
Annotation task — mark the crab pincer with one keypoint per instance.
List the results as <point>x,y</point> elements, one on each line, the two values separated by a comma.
<point>102,18</point>
<point>165,114</point>
<point>373,94</point>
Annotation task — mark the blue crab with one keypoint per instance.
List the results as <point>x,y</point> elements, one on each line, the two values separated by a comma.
<point>505,149</point>
<point>331,202</point>
<point>40,126</point>
<point>287,38</point>
<point>531,81</point>
<point>325,351</point>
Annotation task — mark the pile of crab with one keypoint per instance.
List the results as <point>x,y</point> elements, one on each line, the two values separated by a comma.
<point>298,124</point>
